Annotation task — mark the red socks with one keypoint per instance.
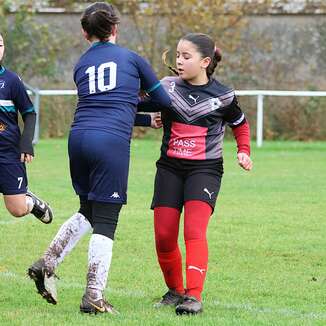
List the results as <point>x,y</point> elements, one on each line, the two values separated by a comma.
<point>166,224</point>
<point>197,214</point>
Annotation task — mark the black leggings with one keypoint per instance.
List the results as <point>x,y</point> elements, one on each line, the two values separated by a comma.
<point>102,216</point>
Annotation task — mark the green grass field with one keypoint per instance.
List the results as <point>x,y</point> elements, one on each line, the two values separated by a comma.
<point>267,242</point>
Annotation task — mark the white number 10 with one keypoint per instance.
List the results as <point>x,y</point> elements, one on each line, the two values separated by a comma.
<point>112,66</point>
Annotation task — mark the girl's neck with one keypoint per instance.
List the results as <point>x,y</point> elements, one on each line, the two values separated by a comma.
<point>111,39</point>
<point>200,79</point>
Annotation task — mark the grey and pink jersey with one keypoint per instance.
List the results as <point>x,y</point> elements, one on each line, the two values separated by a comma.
<point>194,125</point>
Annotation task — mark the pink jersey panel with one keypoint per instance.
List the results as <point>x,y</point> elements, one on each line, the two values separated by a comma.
<point>187,142</point>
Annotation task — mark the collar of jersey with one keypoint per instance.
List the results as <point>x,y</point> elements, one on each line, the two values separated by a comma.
<point>2,69</point>
<point>101,43</point>
<point>197,86</point>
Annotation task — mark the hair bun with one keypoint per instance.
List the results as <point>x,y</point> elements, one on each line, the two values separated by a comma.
<point>218,54</point>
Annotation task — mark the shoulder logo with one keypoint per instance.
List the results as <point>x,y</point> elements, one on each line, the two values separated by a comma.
<point>215,103</point>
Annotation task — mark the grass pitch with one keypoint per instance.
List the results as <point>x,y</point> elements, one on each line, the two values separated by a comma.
<point>267,244</point>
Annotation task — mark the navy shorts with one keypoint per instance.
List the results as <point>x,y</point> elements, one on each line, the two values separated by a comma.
<point>173,187</point>
<point>99,165</point>
<point>13,178</point>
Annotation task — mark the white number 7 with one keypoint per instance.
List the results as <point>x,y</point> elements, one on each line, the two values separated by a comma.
<point>20,180</point>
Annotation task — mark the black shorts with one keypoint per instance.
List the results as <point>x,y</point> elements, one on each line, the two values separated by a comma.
<point>13,178</point>
<point>174,186</point>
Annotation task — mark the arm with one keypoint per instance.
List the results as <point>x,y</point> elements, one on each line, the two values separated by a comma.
<point>240,128</point>
<point>26,146</point>
<point>152,120</point>
<point>156,98</point>
<point>242,136</point>
<point>26,109</point>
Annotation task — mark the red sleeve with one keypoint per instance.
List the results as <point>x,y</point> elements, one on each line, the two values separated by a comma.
<point>242,136</point>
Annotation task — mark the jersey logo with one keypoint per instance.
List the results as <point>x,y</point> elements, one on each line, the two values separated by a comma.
<point>2,83</point>
<point>215,103</point>
<point>208,193</point>
<point>115,195</point>
<point>200,270</point>
<point>3,127</point>
<point>193,98</point>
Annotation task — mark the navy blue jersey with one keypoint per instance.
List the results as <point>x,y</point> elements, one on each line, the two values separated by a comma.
<point>13,98</point>
<point>108,79</point>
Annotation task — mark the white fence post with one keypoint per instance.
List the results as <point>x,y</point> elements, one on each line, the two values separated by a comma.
<point>260,119</point>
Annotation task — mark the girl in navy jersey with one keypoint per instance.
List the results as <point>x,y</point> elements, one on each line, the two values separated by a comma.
<point>17,149</point>
<point>190,168</point>
<point>108,79</point>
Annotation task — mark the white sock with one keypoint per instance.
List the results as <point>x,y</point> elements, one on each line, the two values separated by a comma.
<point>65,240</point>
<point>29,203</point>
<point>99,261</point>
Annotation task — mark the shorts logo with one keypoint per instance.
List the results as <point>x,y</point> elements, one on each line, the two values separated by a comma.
<point>115,195</point>
<point>208,193</point>
<point>3,127</point>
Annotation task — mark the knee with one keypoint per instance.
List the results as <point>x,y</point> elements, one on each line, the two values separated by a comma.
<point>105,218</point>
<point>86,208</point>
<point>17,211</point>
<point>165,241</point>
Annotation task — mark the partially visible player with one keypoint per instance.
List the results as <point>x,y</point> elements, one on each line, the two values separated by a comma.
<point>17,149</point>
<point>190,168</point>
<point>108,78</point>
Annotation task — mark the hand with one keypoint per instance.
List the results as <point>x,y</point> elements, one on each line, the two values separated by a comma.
<point>244,161</point>
<point>26,158</point>
<point>156,121</point>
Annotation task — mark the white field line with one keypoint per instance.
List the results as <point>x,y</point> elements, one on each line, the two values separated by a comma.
<point>281,311</point>
<point>141,294</point>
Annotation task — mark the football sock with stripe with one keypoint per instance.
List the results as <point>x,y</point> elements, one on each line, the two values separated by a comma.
<point>197,214</point>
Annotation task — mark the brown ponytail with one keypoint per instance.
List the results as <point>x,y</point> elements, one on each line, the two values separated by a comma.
<point>98,20</point>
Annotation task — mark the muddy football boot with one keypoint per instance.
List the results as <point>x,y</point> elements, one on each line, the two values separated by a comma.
<point>44,281</point>
<point>93,306</point>
<point>170,298</point>
<point>41,209</point>
<point>190,305</point>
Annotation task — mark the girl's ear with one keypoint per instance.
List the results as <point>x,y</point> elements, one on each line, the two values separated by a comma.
<point>205,62</point>
<point>114,31</point>
<point>85,34</point>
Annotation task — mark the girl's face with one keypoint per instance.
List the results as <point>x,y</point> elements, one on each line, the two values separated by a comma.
<point>190,64</point>
<point>2,48</point>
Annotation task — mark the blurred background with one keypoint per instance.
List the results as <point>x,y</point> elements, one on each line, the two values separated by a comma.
<point>266,44</point>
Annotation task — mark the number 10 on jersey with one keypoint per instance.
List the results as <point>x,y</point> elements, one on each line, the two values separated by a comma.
<point>110,68</point>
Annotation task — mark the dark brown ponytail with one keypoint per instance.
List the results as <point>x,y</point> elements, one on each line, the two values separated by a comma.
<point>98,20</point>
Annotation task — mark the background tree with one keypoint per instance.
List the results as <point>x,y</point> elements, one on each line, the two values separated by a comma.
<point>32,48</point>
